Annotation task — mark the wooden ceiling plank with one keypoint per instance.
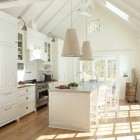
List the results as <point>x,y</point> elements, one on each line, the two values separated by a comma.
<point>54,15</point>
<point>127,9</point>
<point>67,16</point>
<point>131,22</point>
<point>43,11</point>
<point>19,3</point>
<point>25,10</point>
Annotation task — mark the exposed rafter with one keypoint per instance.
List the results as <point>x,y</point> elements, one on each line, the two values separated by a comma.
<point>7,4</point>
<point>54,15</point>
<point>65,18</point>
<point>43,11</point>
<point>25,10</point>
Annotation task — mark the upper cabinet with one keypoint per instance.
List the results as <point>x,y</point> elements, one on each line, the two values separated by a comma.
<point>8,52</point>
<point>20,65</point>
<point>8,29</point>
<point>20,47</point>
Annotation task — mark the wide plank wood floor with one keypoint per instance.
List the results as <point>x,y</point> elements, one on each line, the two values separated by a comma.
<point>34,126</point>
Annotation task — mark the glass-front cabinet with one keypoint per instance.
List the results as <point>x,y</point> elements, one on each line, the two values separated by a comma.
<point>20,58</point>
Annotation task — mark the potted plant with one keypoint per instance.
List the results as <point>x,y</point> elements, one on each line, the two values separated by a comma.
<point>73,85</point>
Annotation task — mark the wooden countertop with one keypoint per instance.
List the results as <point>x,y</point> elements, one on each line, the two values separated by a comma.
<point>25,85</point>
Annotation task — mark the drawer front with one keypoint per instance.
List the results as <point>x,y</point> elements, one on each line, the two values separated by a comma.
<point>26,90</point>
<point>8,113</point>
<point>7,97</point>
<point>26,109</point>
<point>25,99</point>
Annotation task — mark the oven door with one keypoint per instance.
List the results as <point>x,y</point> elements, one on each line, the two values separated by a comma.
<point>41,97</point>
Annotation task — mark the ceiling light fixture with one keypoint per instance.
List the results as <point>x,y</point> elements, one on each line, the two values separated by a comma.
<point>24,28</point>
<point>86,49</point>
<point>52,36</point>
<point>71,45</point>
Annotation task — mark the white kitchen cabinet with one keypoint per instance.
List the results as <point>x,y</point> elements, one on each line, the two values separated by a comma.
<point>26,100</point>
<point>53,84</point>
<point>20,64</point>
<point>8,29</point>
<point>8,106</point>
<point>8,67</point>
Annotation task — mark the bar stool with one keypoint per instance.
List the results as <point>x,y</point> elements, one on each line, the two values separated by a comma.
<point>98,102</point>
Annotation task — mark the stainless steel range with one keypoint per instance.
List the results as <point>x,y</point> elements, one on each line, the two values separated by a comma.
<point>41,92</point>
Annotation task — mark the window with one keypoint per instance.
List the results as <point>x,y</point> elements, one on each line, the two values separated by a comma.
<point>102,68</point>
<point>94,26</point>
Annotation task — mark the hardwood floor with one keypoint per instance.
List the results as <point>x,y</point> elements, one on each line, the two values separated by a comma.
<point>34,126</point>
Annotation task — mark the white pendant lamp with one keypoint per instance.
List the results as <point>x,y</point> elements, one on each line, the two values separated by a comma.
<point>86,49</point>
<point>71,44</point>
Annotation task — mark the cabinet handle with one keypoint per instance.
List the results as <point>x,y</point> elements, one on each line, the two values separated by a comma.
<point>26,107</point>
<point>26,90</point>
<point>27,98</point>
<point>8,108</point>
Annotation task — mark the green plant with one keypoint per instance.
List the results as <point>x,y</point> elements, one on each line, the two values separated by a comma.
<point>73,84</point>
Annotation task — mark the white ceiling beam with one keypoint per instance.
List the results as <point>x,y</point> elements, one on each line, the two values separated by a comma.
<point>43,11</point>
<point>53,16</point>
<point>7,4</point>
<point>67,16</point>
<point>25,10</point>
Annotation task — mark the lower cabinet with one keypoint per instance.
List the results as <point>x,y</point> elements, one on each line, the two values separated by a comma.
<point>8,107</point>
<point>26,100</point>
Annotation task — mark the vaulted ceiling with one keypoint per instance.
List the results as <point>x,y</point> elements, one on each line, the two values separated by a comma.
<point>54,15</point>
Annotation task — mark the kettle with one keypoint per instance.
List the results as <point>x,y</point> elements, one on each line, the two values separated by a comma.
<point>48,77</point>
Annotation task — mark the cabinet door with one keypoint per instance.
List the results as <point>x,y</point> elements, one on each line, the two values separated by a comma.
<point>8,32</point>
<point>8,67</point>
<point>12,67</point>
<point>8,113</point>
<point>3,67</point>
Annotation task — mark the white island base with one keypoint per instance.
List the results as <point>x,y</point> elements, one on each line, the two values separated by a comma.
<point>69,109</point>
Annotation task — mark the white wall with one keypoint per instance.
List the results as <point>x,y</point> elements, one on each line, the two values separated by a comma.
<point>116,38</point>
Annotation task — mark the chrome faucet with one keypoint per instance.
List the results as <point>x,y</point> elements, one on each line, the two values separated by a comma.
<point>80,73</point>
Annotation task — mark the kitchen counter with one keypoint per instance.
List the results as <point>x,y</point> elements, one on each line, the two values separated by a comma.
<point>84,87</point>
<point>25,85</point>
<point>70,108</point>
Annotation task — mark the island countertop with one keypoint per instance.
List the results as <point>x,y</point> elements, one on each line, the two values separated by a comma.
<point>85,87</point>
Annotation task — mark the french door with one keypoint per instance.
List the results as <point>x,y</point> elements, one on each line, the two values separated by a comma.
<point>101,69</point>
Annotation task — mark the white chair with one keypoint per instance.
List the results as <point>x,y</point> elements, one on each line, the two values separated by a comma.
<point>98,102</point>
<point>112,99</point>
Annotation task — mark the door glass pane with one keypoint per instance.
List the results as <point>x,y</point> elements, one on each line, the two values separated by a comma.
<point>111,71</point>
<point>87,70</point>
<point>99,73</point>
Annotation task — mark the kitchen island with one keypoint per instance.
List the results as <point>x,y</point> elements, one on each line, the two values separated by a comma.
<point>70,108</point>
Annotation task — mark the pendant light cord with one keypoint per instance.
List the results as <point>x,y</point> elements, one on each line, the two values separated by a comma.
<point>86,28</point>
<point>71,13</point>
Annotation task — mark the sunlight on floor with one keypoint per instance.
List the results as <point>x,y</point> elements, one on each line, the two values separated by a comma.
<point>111,130</point>
<point>62,136</point>
<point>46,137</point>
<point>125,107</point>
<point>122,128</point>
